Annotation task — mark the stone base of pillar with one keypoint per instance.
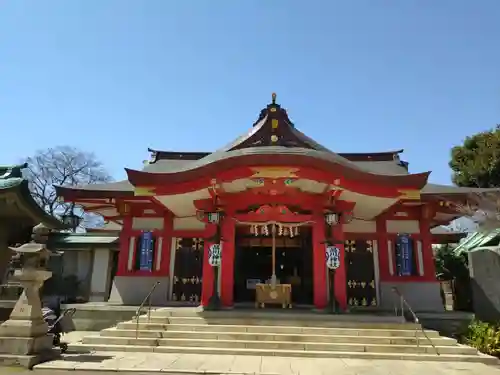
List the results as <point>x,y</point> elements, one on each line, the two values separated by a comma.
<point>40,348</point>
<point>25,343</point>
<point>23,337</point>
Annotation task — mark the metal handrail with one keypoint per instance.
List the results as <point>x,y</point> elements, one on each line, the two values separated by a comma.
<point>138,312</point>
<point>403,302</point>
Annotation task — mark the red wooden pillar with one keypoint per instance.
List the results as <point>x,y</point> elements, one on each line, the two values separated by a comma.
<point>123,255</point>
<point>340,273</point>
<point>319,263</point>
<point>208,270</point>
<point>427,254</point>
<point>227,266</point>
<point>383,249</point>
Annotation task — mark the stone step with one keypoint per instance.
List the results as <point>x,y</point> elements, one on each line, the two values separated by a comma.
<point>280,345</point>
<point>276,314</point>
<point>120,341</point>
<point>280,333</point>
<point>296,337</point>
<point>276,322</point>
<point>411,331</point>
<point>288,353</point>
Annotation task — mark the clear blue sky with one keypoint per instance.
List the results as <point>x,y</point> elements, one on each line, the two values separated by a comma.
<point>117,77</point>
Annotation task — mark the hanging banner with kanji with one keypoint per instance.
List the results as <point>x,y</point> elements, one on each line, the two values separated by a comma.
<point>404,255</point>
<point>146,252</point>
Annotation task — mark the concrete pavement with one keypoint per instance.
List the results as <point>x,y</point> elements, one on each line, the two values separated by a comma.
<point>230,364</point>
<point>13,371</point>
<point>96,363</point>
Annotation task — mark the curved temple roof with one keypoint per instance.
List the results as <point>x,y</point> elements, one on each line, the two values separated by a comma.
<point>157,155</point>
<point>273,134</point>
<point>275,141</point>
<point>222,160</point>
<point>273,121</point>
<point>120,189</point>
<point>16,187</point>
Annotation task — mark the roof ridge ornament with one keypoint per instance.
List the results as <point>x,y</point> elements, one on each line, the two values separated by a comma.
<point>273,98</point>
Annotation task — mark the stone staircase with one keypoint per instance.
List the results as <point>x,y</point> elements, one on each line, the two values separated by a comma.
<point>279,333</point>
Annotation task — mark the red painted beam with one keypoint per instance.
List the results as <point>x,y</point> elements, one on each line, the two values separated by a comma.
<point>241,201</point>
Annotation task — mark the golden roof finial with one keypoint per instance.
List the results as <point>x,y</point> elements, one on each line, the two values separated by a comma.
<point>274,97</point>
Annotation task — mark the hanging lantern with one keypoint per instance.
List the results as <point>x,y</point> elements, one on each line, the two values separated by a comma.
<point>215,255</point>
<point>332,218</point>
<point>214,217</point>
<point>332,257</point>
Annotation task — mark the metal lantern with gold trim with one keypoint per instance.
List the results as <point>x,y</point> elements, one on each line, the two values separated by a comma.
<point>332,218</point>
<point>213,217</point>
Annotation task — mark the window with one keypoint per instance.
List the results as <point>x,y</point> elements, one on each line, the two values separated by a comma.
<point>406,256</point>
<point>145,250</point>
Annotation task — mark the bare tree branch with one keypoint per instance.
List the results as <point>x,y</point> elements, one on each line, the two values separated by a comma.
<point>63,166</point>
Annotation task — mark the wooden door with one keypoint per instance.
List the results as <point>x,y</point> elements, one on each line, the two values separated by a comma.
<point>188,270</point>
<point>360,273</point>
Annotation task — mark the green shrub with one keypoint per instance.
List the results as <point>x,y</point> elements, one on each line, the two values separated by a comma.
<point>485,337</point>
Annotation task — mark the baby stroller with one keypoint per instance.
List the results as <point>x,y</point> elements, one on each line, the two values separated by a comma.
<point>55,319</point>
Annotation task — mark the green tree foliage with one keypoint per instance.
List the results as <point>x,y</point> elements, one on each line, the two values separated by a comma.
<point>449,265</point>
<point>477,162</point>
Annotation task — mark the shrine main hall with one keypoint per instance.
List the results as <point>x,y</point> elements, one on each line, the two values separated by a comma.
<point>274,218</point>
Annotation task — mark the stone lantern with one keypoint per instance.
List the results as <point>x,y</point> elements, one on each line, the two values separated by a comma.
<point>23,337</point>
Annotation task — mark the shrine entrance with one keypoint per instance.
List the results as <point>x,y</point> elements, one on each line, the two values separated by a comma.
<point>188,267</point>
<point>360,275</point>
<point>292,263</point>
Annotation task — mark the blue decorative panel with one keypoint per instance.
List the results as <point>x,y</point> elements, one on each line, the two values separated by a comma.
<point>146,252</point>
<point>404,255</point>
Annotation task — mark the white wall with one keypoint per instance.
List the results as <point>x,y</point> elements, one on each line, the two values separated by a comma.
<point>101,275</point>
<point>403,226</point>
<point>79,263</point>
<point>147,223</point>
<point>360,226</point>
